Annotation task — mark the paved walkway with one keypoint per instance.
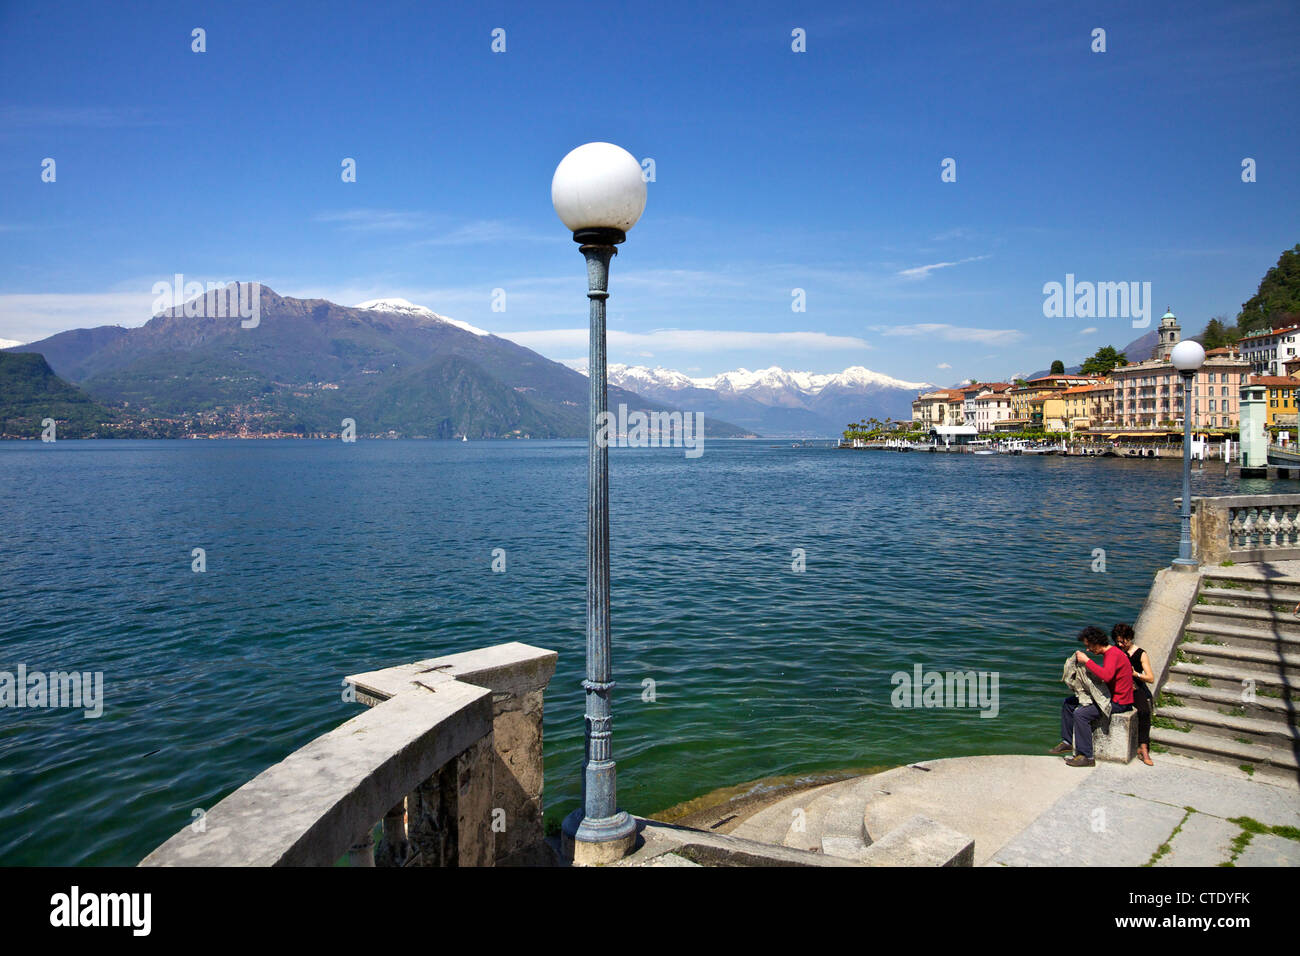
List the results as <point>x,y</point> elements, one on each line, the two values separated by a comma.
<point>1035,811</point>
<point>1176,813</point>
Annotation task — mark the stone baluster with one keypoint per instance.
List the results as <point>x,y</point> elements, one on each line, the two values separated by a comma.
<point>450,813</point>
<point>394,849</point>
<point>362,853</point>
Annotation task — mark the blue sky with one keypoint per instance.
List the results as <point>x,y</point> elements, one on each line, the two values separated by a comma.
<point>775,170</point>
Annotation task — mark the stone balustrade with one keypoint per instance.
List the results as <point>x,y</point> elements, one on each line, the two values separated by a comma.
<point>1246,528</point>
<point>448,760</point>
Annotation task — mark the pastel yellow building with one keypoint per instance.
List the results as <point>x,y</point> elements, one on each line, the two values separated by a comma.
<point>1280,396</point>
<point>1040,402</point>
<point>1089,406</point>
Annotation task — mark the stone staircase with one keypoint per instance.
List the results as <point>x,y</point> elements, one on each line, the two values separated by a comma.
<point>1242,628</point>
<point>951,812</point>
<point>825,819</point>
<point>831,821</point>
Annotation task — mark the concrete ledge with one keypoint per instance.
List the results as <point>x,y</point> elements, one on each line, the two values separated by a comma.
<point>517,675</point>
<point>308,809</point>
<point>921,842</point>
<point>512,668</point>
<point>1164,617</point>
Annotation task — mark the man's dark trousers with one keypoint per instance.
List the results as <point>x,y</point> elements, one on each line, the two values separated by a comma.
<point>1076,725</point>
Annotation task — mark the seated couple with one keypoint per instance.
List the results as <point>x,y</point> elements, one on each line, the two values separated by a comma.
<point>1105,689</point>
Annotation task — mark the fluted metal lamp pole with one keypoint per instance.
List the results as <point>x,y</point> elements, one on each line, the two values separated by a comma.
<point>599,193</point>
<point>1187,357</point>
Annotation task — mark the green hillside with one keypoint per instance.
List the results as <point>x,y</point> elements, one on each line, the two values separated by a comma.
<point>308,364</point>
<point>30,392</point>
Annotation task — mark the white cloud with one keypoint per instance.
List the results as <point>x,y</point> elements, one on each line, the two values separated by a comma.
<point>9,343</point>
<point>376,220</point>
<point>921,272</point>
<point>1089,330</point>
<point>943,365</point>
<point>953,333</point>
<point>438,229</point>
<point>490,230</point>
<point>31,317</point>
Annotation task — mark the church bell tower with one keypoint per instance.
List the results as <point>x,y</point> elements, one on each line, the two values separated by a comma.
<point>1170,335</point>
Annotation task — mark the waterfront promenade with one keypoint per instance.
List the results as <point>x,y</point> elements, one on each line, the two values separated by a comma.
<point>1035,811</point>
<point>1049,445</point>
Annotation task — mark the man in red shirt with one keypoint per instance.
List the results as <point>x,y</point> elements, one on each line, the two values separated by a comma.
<point>1116,671</point>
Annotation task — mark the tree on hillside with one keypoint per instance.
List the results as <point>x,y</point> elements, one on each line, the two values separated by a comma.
<point>1058,368</point>
<point>1218,333</point>
<point>1105,360</point>
<point>1277,301</point>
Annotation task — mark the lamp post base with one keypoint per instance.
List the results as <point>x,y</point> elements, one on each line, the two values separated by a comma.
<point>1184,564</point>
<point>591,842</point>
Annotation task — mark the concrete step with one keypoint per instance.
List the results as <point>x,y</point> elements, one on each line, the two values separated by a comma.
<point>1253,576</point>
<point>772,823</point>
<point>1226,750</point>
<point>1248,622</point>
<point>1241,633</point>
<point>1224,676</point>
<point>1243,597</point>
<point>1251,661</point>
<point>844,830</point>
<point>1208,720</point>
<point>1276,708</point>
<point>807,827</point>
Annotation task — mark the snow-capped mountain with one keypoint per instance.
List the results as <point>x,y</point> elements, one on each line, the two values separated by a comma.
<point>774,401</point>
<point>404,307</point>
<point>743,380</point>
<point>809,383</point>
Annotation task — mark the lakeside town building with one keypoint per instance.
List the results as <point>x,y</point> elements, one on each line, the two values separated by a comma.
<point>968,394</point>
<point>1141,400</point>
<point>1281,397</point>
<point>940,407</point>
<point>1040,403</point>
<point>1090,406</point>
<point>991,405</point>
<point>1268,351</point>
<point>1150,394</point>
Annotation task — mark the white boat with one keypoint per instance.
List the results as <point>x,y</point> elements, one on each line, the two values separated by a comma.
<point>464,438</point>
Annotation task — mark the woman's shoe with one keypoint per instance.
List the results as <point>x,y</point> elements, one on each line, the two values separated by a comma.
<point>1145,754</point>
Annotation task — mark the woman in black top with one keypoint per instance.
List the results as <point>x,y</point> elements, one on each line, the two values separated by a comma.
<point>1143,680</point>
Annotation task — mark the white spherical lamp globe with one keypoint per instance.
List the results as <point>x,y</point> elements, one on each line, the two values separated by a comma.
<point>1187,356</point>
<point>598,186</point>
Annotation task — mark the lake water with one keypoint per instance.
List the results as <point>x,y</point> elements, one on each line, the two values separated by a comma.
<point>325,559</point>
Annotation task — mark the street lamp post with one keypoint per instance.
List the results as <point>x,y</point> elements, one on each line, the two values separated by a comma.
<point>1187,357</point>
<point>599,193</point>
